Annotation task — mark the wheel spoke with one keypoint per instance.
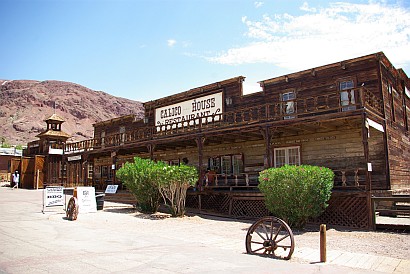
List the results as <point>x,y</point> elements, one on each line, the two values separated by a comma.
<point>257,232</point>
<point>256,250</point>
<point>284,237</point>
<point>284,246</point>
<point>277,232</point>
<point>254,242</point>
<point>266,231</point>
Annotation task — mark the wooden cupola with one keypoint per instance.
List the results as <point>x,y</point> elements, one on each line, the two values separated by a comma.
<point>53,131</point>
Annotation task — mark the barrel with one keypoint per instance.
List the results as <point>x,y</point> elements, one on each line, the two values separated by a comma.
<point>99,198</point>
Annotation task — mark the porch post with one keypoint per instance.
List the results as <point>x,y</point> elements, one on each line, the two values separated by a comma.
<point>365,139</point>
<point>267,137</point>
<point>114,164</point>
<point>200,143</point>
<point>85,169</point>
<point>151,148</point>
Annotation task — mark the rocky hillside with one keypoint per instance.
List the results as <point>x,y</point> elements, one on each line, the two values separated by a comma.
<point>24,104</point>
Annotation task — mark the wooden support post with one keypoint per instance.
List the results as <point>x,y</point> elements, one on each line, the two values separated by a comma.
<point>267,137</point>
<point>200,143</point>
<point>37,177</point>
<point>365,139</point>
<point>151,148</point>
<point>322,243</point>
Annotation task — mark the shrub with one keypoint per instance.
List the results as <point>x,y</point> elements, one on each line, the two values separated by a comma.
<point>173,185</point>
<point>141,179</point>
<point>296,193</point>
<point>149,180</point>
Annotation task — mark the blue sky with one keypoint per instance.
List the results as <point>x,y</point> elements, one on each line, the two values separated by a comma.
<point>145,50</point>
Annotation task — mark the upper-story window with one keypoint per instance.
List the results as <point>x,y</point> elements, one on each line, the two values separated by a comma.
<point>347,97</point>
<point>406,108</point>
<point>391,98</point>
<point>103,138</point>
<point>288,104</point>
<point>122,134</point>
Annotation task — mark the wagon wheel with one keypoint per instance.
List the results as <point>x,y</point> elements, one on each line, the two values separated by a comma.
<point>270,236</point>
<point>72,209</point>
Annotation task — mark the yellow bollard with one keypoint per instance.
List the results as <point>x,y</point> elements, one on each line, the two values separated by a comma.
<point>322,243</point>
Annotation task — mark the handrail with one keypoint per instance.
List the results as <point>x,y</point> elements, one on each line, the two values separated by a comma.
<point>302,106</point>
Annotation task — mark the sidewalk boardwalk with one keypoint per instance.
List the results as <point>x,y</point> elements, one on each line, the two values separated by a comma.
<point>119,240</point>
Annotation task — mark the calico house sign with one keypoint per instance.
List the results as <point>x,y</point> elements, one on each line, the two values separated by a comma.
<point>189,112</point>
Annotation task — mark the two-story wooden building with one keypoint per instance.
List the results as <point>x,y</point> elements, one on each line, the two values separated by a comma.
<point>352,116</point>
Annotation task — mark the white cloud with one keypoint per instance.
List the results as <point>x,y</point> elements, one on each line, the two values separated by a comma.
<point>318,37</point>
<point>258,4</point>
<point>305,7</point>
<point>171,42</point>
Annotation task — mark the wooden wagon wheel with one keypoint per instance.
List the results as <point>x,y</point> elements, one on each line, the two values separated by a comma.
<point>270,236</point>
<point>72,209</point>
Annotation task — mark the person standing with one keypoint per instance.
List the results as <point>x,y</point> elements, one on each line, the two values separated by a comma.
<point>16,179</point>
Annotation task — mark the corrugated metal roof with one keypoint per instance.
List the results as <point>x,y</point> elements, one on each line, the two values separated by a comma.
<point>11,151</point>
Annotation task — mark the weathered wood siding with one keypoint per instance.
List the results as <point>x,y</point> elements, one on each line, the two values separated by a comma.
<point>396,104</point>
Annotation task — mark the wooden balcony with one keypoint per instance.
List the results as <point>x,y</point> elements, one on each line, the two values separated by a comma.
<point>298,108</point>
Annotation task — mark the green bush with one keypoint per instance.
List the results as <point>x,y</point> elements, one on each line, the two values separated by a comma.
<point>149,180</point>
<point>174,184</point>
<point>141,179</point>
<point>296,193</point>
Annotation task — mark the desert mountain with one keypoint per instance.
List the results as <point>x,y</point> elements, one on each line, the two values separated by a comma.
<point>24,104</point>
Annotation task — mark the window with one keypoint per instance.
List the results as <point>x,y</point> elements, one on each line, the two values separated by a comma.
<point>214,163</point>
<point>287,156</point>
<point>347,97</point>
<point>104,171</point>
<point>103,138</point>
<point>288,105</point>
<point>391,97</point>
<point>63,170</point>
<point>237,164</point>
<point>227,164</point>
<point>97,171</point>
<point>90,169</point>
<point>122,135</point>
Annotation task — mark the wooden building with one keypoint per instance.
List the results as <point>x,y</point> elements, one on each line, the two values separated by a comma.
<point>6,156</point>
<point>352,116</point>
<point>42,162</point>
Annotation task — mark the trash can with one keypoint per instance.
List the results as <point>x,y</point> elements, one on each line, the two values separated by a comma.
<point>99,198</point>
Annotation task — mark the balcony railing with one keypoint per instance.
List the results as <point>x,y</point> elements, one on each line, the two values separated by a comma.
<point>287,110</point>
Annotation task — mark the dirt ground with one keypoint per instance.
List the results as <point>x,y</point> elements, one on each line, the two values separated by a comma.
<point>389,244</point>
<point>228,231</point>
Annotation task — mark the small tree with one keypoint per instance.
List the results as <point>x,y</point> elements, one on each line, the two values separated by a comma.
<point>141,179</point>
<point>296,193</point>
<point>174,183</point>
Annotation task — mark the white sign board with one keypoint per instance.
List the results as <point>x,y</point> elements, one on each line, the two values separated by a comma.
<point>86,200</point>
<point>111,189</point>
<point>53,196</point>
<point>178,114</point>
<point>74,158</point>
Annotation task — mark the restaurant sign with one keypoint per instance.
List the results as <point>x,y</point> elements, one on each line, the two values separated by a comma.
<point>189,112</point>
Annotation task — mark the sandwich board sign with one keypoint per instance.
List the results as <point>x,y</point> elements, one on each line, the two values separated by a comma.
<point>111,189</point>
<point>86,199</point>
<point>53,196</point>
